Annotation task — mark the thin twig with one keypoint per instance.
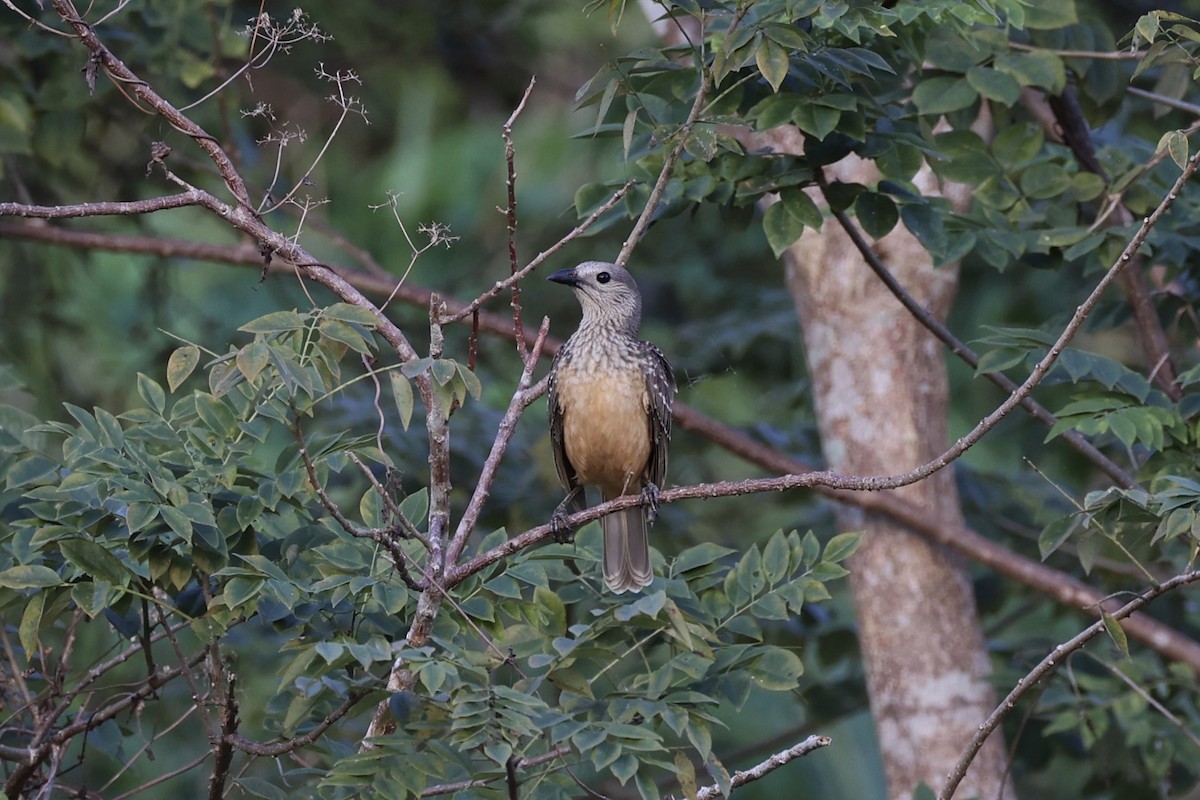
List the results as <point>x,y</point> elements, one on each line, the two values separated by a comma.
<point>1153,702</point>
<point>111,208</point>
<point>1149,329</point>
<point>510,158</point>
<point>276,749</point>
<point>1165,100</point>
<point>464,311</point>
<point>742,777</point>
<point>166,776</point>
<point>1044,668</point>
<point>1095,55</point>
<point>241,215</point>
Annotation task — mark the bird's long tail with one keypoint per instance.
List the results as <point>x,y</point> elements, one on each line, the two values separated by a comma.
<point>626,551</point>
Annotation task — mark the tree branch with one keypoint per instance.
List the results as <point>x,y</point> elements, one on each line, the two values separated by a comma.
<point>121,74</point>
<point>276,749</point>
<point>1044,668</point>
<point>113,208</point>
<point>510,213</point>
<point>742,777</point>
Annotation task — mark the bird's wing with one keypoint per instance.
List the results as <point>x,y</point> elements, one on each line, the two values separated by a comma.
<point>566,472</point>
<point>661,388</point>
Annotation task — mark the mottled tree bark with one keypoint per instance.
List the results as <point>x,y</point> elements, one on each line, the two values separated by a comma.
<point>882,399</point>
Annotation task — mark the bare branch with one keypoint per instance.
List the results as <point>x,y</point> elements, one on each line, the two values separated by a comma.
<point>1165,100</point>
<point>166,776</point>
<point>1046,666</point>
<point>461,312</point>
<point>148,206</point>
<point>242,215</point>
<point>742,777</point>
<point>510,158</point>
<point>122,75</point>
<point>275,749</point>
<point>222,749</point>
<point>1095,55</point>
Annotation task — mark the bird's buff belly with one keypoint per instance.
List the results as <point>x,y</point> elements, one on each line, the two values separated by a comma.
<point>605,431</point>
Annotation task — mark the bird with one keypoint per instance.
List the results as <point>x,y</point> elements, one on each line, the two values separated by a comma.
<point>610,397</point>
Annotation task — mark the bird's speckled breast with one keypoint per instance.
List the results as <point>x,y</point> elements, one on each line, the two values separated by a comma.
<point>605,433</point>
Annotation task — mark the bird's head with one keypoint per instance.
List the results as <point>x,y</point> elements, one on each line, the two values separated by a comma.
<point>607,292</point>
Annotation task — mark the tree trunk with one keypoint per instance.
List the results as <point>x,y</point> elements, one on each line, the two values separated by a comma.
<point>881,397</point>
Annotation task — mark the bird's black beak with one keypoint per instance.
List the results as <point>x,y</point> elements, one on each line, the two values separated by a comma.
<point>565,276</point>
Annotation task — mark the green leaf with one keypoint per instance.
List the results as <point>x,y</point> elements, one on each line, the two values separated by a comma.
<point>1050,14</point>
<point>32,576</point>
<point>1112,626</point>
<point>276,322</point>
<point>95,561</point>
<point>415,507</point>
<point>348,312</point>
<point>1046,181</point>
<point>1175,143</point>
<point>775,110</point>
<point>181,365</point>
<point>785,220</point>
<point>842,546</point>
<point>442,370</point>
<point>702,555</point>
<point>31,622</point>
<point>347,334</point>
<point>777,669</point>
<point>772,61</point>
<point>1016,144</point>
<point>877,213</point>
<point>1040,68</point>
<point>1054,534</point>
<point>30,470</point>
<point>402,394</point>
<point>816,120</point>
<point>151,392</point>
<point>925,223</point>
<point>775,557</point>
<point>749,572</point>
<point>943,94</point>
<point>994,85</point>
<point>253,358</point>
<point>470,380</point>
<point>1146,28</point>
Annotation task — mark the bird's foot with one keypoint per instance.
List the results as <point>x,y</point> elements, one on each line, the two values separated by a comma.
<point>559,529</point>
<point>650,494</point>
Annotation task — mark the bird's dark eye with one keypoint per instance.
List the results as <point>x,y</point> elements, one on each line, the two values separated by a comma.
<point>603,277</point>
